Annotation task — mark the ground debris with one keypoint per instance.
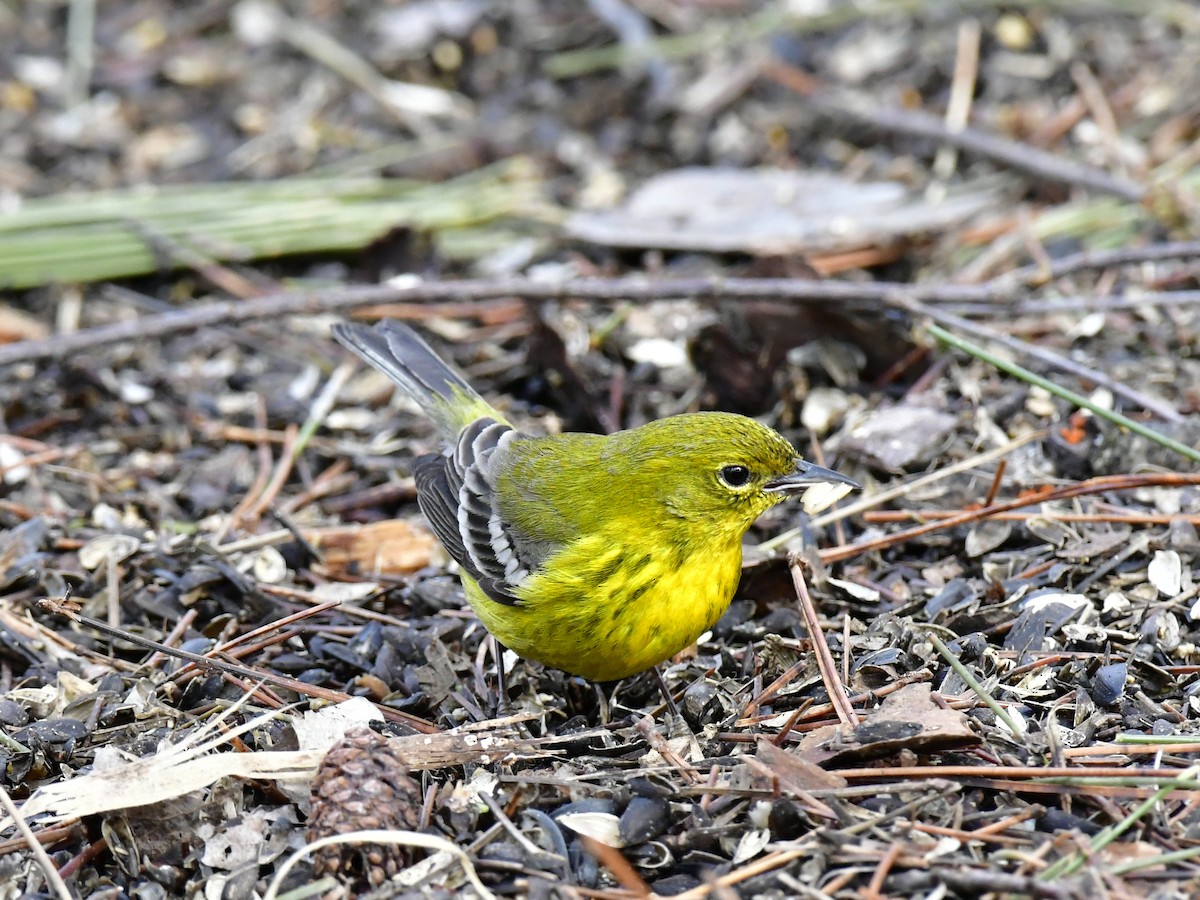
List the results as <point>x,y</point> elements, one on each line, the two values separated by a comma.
<point>212,563</point>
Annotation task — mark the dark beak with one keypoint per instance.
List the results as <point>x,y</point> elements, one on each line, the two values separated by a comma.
<point>806,475</point>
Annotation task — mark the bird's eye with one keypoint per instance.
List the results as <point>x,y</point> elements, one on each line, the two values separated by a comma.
<point>735,476</point>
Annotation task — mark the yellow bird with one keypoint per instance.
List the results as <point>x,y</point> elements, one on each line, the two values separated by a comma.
<point>601,555</point>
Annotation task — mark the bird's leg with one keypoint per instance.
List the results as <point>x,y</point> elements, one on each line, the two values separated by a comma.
<point>666,692</point>
<point>502,705</point>
<point>601,702</point>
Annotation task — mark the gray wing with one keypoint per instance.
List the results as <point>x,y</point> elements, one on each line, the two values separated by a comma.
<point>456,494</point>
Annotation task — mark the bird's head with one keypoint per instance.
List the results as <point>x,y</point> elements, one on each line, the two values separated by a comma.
<point>720,469</point>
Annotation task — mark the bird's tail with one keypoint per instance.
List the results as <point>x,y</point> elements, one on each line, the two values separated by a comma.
<point>399,352</point>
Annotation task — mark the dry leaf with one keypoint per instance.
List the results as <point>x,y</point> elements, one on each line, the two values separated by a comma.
<point>118,781</point>
<point>18,325</point>
<point>907,720</point>
<point>772,211</point>
<point>794,773</point>
<point>389,547</point>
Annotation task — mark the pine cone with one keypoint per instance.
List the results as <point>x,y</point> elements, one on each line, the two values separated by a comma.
<point>361,784</point>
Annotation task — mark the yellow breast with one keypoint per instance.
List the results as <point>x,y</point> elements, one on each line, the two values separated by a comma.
<point>610,611</point>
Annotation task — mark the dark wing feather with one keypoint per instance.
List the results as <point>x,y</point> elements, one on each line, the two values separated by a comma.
<point>456,493</point>
<point>439,503</point>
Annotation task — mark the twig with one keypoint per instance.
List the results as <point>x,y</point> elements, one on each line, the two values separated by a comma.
<point>44,457</point>
<point>175,252</point>
<point>1092,777</point>
<point>532,850</point>
<point>611,859</point>
<point>865,296</point>
<point>989,882</point>
<point>825,661</point>
<point>1091,486</point>
<point>767,694</point>
<point>283,468</point>
<point>261,478</point>
<point>1070,864</point>
<point>923,515</point>
<point>54,881</point>
<point>875,888</point>
<point>882,497</point>
<point>962,91</point>
<point>1033,276</point>
<point>973,683</point>
<point>81,53</point>
<point>1159,859</point>
<point>207,663</point>
<point>52,835</point>
<point>818,711</point>
<point>758,866</point>
<point>917,123</point>
<point>937,791</point>
<point>1055,360</point>
<point>997,481</point>
<point>659,744</point>
<point>67,346</point>
<point>1070,396</point>
<point>1089,303</point>
<point>412,104</point>
<point>726,33</point>
<point>322,405</point>
<point>1030,812</point>
<point>395,838</point>
<point>1098,106</point>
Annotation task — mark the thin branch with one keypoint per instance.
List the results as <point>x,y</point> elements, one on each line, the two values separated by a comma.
<point>881,497</point>
<point>67,346</point>
<point>847,105</point>
<point>209,664</point>
<point>1154,405</point>
<point>81,52</point>
<point>1091,486</point>
<point>973,683</point>
<point>864,296</point>
<point>54,880</point>
<point>825,662</point>
<point>1087,260</point>
<point>1083,303</point>
<point>1070,396</point>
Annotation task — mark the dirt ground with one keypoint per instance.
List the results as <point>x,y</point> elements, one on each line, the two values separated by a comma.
<point>951,249</point>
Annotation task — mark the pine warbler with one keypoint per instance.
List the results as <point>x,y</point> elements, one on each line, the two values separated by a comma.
<point>601,555</point>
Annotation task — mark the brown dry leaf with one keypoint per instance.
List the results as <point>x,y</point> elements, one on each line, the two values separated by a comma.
<point>390,547</point>
<point>1118,853</point>
<point>907,720</point>
<point>794,773</point>
<point>18,325</point>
